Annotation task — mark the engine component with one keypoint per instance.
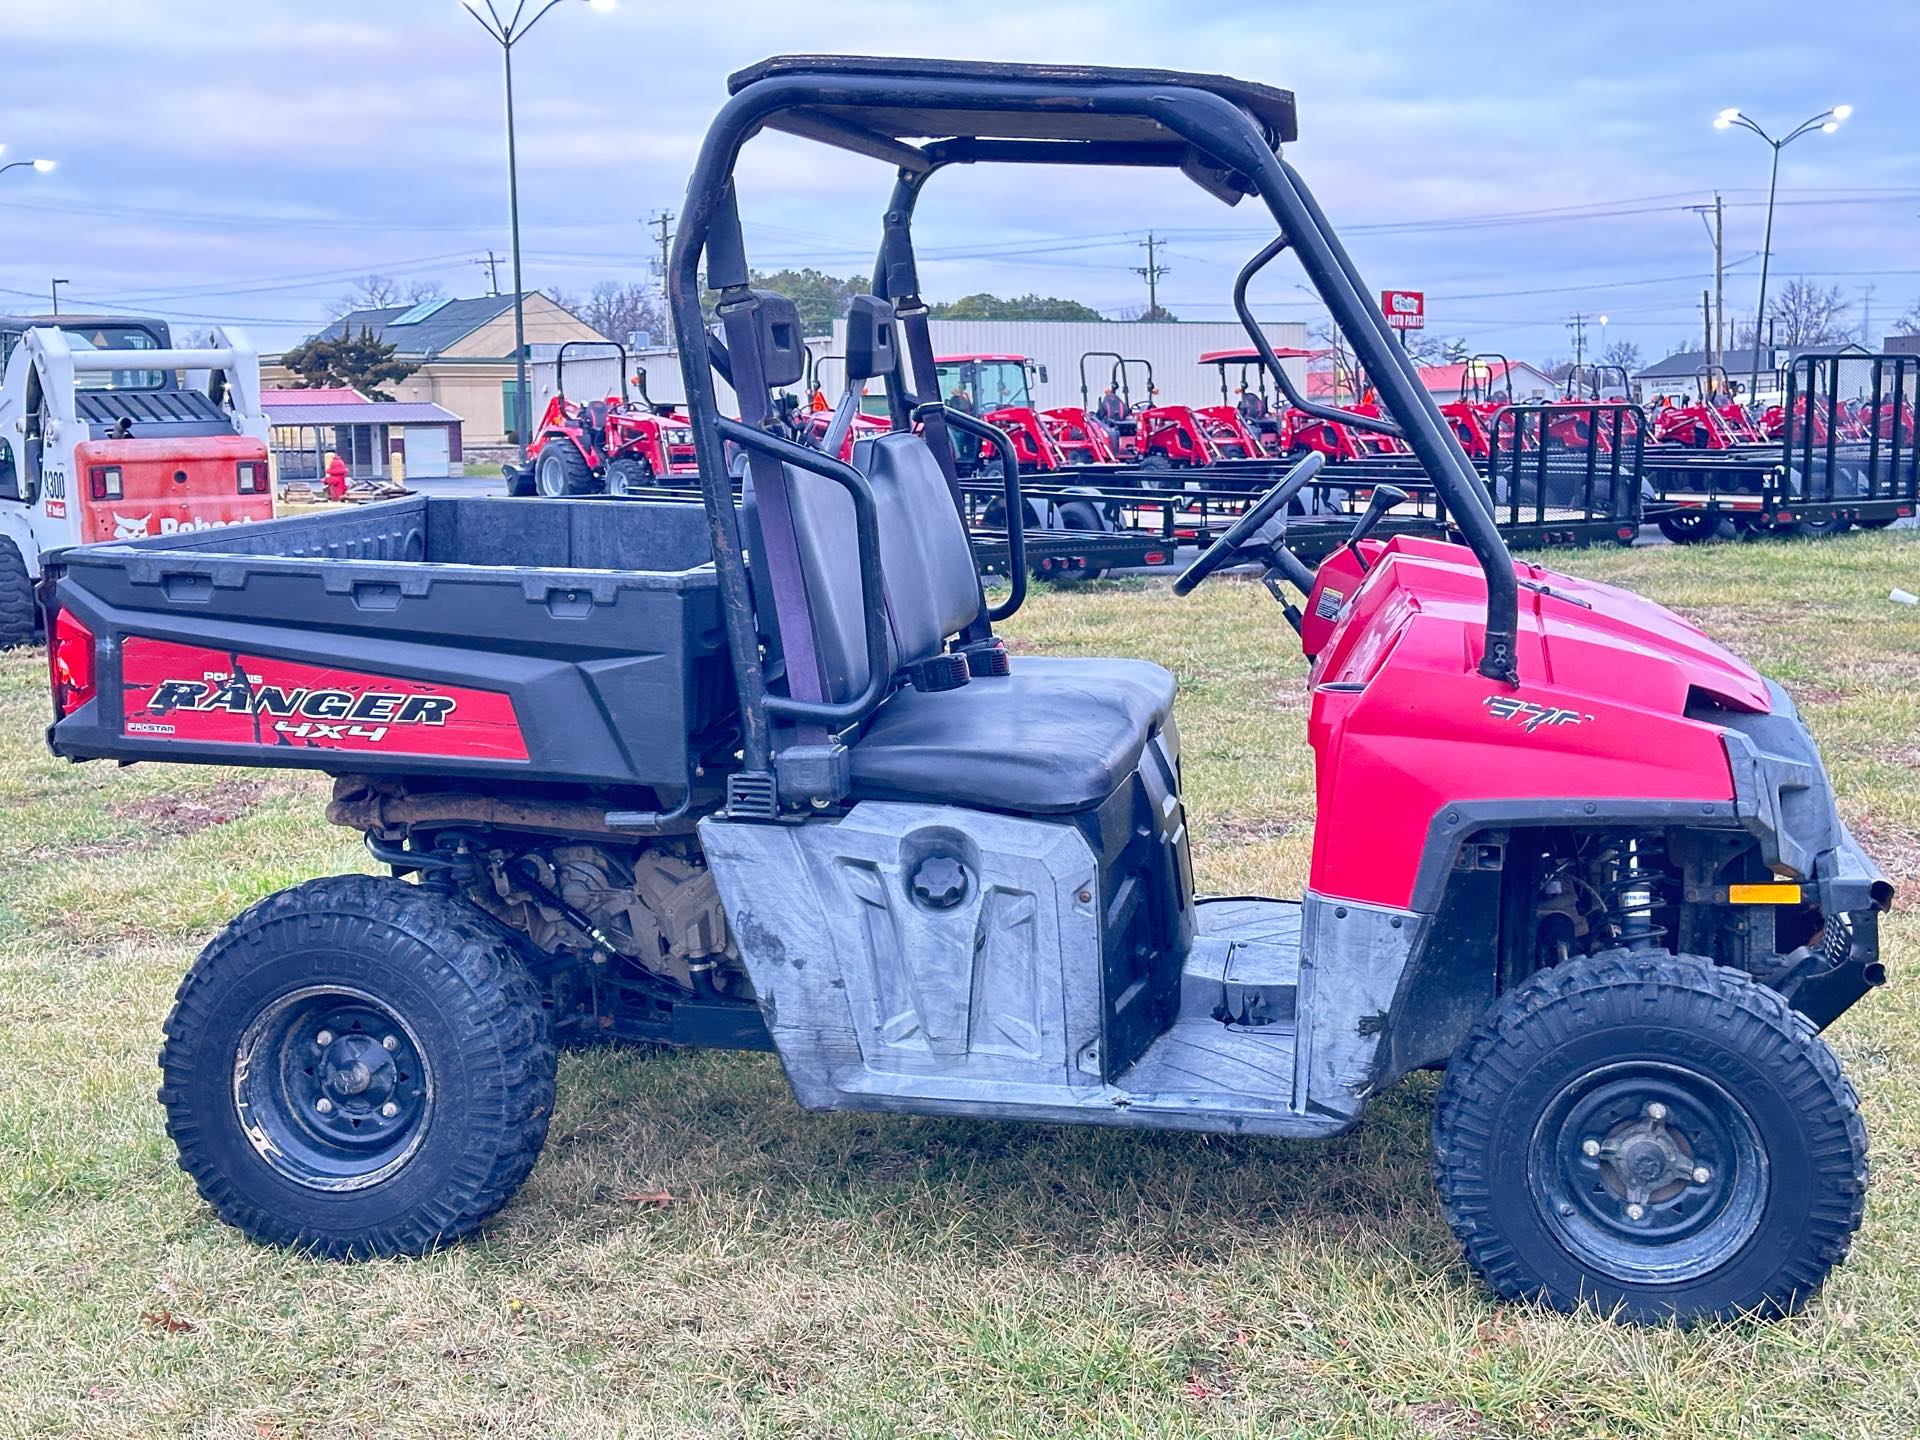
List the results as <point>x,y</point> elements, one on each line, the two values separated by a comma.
<point>656,907</point>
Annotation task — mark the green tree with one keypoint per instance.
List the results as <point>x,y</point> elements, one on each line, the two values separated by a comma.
<point>983,306</point>
<point>361,362</point>
<point>1158,314</point>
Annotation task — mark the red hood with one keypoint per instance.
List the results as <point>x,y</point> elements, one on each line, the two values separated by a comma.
<point>1575,636</point>
<point>1624,624</point>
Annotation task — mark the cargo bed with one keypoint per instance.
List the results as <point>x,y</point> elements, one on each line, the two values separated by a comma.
<point>571,642</point>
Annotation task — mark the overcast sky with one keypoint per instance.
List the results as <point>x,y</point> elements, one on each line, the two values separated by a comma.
<point>243,160</point>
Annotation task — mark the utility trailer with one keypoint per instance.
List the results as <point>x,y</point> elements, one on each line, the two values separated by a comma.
<point>1846,455</point>
<point>1557,475</point>
<point>790,788</point>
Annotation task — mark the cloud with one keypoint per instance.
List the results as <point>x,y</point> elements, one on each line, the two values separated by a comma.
<point>254,157</point>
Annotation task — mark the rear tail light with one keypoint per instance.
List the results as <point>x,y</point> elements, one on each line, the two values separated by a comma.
<point>70,663</point>
<point>103,482</point>
<point>250,476</point>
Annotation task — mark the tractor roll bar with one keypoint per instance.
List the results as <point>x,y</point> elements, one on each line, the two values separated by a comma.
<point>1470,376</point>
<point>1086,395</point>
<point>1117,374</point>
<point>1010,483</point>
<point>560,361</point>
<point>867,537</point>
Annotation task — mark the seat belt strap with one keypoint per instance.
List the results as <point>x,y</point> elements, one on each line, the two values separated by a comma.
<point>779,557</point>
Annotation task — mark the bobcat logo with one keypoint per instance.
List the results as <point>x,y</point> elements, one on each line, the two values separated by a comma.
<point>132,527</point>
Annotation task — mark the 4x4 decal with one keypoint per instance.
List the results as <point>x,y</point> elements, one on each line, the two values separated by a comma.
<point>1530,714</point>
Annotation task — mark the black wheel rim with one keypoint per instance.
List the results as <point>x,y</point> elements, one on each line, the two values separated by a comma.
<point>1691,522</point>
<point>331,1088</point>
<point>1648,1172</point>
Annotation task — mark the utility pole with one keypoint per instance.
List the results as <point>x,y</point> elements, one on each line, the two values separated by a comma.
<point>1151,271</point>
<point>1578,324</point>
<point>1716,232</point>
<point>1706,317</point>
<point>55,288</point>
<point>1866,316</point>
<point>659,223</point>
<point>492,266</point>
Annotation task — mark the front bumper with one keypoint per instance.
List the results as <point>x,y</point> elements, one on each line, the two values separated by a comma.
<point>1783,797</point>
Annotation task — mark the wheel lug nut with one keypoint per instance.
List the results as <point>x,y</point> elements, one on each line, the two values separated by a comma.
<point>323,1039</point>
<point>1656,1111</point>
<point>323,1105</point>
<point>1590,1148</point>
<point>1636,1211</point>
<point>391,1042</point>
<point>389,1110</point>
<point>1701,1174</point>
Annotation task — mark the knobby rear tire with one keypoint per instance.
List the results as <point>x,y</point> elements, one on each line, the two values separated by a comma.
<point>467,1009</point>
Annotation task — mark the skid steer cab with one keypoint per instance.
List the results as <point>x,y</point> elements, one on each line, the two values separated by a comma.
<point>761,774</point>
<point>110,432</point>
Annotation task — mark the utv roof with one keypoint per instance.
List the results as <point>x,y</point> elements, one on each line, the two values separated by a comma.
<point>879,122</point>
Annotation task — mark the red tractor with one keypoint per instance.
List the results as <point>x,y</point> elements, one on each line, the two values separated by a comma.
<point>1471,417</point>
<point>998,389</point>
<point>1261,418</point>
<point>615,446</point>
<point>1300,432</point>
<point>1118,421</point>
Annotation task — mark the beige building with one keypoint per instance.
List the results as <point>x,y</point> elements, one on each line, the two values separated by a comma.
<point>464,351</point>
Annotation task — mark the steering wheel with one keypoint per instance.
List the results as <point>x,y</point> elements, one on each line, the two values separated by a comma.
<point>1251,523</point>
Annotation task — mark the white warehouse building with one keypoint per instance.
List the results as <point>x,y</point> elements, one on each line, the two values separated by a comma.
<point>1173,349</point>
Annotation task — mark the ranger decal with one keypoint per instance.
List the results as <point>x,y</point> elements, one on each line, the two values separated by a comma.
<point>187,692</point>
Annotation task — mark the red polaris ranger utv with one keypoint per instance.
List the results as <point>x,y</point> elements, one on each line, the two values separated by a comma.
<point>759,773</point>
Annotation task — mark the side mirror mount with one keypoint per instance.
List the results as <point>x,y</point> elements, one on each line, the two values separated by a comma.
<point>1384,498</point>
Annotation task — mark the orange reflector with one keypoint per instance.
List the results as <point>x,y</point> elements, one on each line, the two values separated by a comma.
<point>1763,894</point>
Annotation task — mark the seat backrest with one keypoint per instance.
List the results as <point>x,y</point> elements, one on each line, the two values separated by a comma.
<point>932,581</point>
<point>931,585</point>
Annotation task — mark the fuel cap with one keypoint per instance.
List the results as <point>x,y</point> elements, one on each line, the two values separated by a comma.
<point>939,882</point>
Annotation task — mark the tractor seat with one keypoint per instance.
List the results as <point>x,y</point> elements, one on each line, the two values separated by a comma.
<point>594,417</point>
<point>1054,737</point>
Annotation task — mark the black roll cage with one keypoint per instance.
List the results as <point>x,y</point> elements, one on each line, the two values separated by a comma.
<point>1056,116</point>
<point>560,363</point>
<point>1116,376</point>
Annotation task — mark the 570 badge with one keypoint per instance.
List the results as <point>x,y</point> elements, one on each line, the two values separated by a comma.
<point>1529,715</point>
<point>187,692</point>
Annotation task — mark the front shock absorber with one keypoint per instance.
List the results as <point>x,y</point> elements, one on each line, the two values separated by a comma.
<point>1633,882</point>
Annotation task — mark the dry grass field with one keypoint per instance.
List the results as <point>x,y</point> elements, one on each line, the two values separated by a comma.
<point>695,1256</point>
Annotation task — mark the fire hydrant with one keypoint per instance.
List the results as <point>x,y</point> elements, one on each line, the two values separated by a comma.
<point>336,480</point>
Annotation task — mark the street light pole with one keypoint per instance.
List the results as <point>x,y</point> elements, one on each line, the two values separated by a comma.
<point>40,166</point>
<point>1826,122</point>
<point>506,33</point>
